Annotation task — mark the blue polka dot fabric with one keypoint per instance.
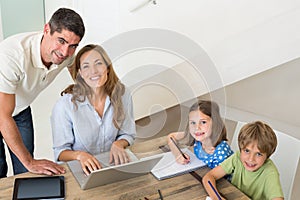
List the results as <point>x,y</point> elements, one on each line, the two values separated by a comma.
<point>222,151</point>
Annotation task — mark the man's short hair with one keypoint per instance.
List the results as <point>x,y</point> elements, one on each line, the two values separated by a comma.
<point>67,19</point>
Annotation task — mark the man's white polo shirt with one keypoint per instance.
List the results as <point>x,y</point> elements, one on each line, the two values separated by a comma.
<point>21,69</point>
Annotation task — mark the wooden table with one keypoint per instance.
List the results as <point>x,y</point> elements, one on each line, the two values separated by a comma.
<point>180,187</point>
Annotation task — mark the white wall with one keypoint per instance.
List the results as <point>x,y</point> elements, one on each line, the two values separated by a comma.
<point>240,38</point>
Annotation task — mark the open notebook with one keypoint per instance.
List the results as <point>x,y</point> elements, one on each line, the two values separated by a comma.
<point>167,167</point>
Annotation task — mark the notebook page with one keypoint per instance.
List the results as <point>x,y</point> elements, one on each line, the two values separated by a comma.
<point>168,167</point>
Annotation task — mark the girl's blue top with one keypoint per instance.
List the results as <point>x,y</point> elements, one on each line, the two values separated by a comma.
<point>222,151</point>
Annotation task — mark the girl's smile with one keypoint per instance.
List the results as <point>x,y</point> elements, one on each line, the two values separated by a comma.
<point>200,126</point>
<point>198,134</point>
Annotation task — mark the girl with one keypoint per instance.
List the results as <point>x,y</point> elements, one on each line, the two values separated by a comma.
<point>206,130</point>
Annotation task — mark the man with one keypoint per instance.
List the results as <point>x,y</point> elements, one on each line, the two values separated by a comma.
<point>29,62</point>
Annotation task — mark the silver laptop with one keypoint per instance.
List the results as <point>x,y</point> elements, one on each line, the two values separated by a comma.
<point>109,174</point>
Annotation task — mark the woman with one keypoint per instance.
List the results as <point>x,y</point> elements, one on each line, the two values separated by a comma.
<point>94,115</point>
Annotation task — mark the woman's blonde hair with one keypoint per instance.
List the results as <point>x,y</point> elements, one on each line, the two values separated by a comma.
<point>113,87</point>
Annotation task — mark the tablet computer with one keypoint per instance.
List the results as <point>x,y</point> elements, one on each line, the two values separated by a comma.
<point>46,187</point>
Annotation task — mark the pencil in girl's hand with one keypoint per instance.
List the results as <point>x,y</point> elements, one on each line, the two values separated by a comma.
<point>213,188</point>
<point>178,148</point>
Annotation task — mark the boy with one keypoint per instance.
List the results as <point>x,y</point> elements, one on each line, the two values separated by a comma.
<point>252,170</point>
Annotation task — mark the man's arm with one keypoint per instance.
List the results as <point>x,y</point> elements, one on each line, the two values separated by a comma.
<point>12,137</point>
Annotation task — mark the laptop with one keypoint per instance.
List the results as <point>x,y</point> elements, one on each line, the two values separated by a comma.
<point>112,173</point>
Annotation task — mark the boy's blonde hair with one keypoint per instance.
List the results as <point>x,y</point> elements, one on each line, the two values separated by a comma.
<point>261,133</point>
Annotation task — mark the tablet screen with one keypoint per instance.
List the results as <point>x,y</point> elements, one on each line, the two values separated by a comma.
<point>51,187</point>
